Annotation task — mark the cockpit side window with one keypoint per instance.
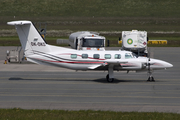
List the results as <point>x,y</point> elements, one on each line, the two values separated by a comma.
<point>117,56</point>
<point>128,56</point>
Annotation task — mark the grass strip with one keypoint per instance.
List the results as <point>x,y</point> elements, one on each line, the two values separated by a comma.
<point>21,114</point>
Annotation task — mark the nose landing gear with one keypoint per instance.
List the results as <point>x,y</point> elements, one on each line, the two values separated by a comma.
<point>151,78</point>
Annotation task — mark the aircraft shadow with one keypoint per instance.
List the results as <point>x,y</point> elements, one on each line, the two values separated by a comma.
<point>100,80</point>
<point>16,78</point>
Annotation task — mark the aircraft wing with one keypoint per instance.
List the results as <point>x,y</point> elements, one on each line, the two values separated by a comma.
<point>106,64</point>
<point>94,67</point>
<point>116,62</point>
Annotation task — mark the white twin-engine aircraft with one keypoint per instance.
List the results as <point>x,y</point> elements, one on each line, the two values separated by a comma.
<point>37,51</point>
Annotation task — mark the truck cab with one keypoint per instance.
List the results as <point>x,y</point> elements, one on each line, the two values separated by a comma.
<point>86,40</point>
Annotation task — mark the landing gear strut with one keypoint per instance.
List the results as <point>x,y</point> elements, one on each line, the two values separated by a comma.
<point>110,75</point>
<point>151,78</point>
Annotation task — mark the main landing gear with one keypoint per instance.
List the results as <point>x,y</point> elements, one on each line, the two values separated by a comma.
<point>109,79</point>
<point>110,75</point>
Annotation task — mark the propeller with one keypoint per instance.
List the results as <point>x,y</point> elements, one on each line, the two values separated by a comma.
<point>149,66</point>
<point>148,60</point>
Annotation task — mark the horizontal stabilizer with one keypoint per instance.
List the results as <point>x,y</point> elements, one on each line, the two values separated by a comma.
<point>18,22</point>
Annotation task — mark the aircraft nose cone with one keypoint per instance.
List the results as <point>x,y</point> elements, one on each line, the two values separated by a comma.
<point>168,65</point>
<point>161,64</point>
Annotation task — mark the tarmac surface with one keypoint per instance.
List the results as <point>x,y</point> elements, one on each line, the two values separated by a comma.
<point>31,86</point>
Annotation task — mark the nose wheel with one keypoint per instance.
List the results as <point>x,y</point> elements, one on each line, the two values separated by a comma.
<point>151,78</point>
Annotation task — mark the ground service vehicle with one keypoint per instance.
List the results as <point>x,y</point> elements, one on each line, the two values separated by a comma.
<point>86,40</point>
<point>135,41</point>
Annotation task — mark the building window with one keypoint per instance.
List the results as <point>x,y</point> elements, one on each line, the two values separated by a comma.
<point>107,56</point>
<point>96,56</point>
<point>117,56</point>
<point>84,56</point>
<point>73,56</point>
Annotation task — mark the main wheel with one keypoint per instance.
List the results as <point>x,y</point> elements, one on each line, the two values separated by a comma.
<point>109,79</point>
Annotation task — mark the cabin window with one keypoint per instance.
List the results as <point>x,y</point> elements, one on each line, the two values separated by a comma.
<point>128,55</point>
<point>107,56</point>
<point>117,56</point>
<point>84,55</point>
<point>96,56</point>
<point>73,56</point>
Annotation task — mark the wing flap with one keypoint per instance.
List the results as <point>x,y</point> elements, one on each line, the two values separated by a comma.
<point>94,67</point>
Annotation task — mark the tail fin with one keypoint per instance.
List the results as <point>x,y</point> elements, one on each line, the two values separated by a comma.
<point>30,38</point>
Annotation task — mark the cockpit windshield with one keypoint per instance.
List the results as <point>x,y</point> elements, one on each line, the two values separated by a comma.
<point>134,55</point>
<point>93,43</point>
<point>130,55</point>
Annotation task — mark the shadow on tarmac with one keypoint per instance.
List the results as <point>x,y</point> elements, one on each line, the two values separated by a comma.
<point>117,81</point>
<point>100,80</point>
<point>14,78</point>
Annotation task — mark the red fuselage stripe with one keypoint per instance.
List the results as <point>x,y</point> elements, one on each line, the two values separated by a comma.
<point>70,62</point>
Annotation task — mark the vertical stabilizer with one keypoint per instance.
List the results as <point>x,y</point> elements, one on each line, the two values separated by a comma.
<point>30,38</point>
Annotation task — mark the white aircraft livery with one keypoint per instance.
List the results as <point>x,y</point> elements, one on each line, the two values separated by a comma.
<point>36,50</point>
